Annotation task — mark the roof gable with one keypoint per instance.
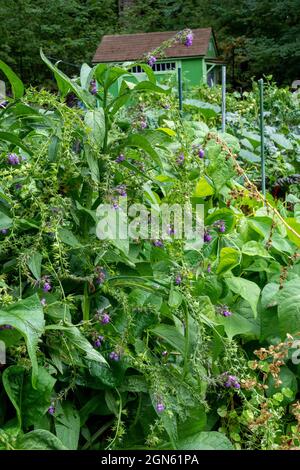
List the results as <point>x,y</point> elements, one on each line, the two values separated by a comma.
<point>123,47</point>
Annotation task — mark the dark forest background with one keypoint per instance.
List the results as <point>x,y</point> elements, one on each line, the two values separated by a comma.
<point>256,37</point>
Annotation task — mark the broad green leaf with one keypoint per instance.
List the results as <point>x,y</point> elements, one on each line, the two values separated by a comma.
<point>229,258</point>
<point>222,214</point>
<point>171,335</point>
<point>30,403</point>
<point>246,289</point>
<point>16,84</point>
<point>64,81</point>
<point>203,188</point>
<point>249,156</point>
<point>208,110</point>
<point>28,318</point>
<point>85,76</point>
<point>147,69</point>
<point>39,440</point>
<point>149,86</point>
<point>5,221</point>
<point>35,265</point>
<point>195,422</point>
<point>167,131</point>
<point>282,141</point>
<point>253,248</point>
<point>75,338</point>
<point>95,121</point>
<point>268,295</point>
<point>67,237</point>
<point>14,139</point>
<point>293,223</point>
<point>139,141</point>
<point>211,440</point>
<point>236,324</point>
<point>67,425</point>
<point>175,298</point>
<point>289,307</point>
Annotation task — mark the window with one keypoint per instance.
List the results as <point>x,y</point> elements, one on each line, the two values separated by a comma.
<point>157,67</point>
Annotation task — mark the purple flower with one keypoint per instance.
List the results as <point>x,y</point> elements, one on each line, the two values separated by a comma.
<point>178,280</point>
<point>19,186</point>
<point>171,230</point>
<point>43,302</point>
<point>47,287</point>
<point>101,276</point>
<point>93,87</point>
<point>230,381</point>
<point>51,410</point>
<point>207,237</point>
<point>115,204</point>
<point>158,243</point>
<point>4,231</point>
<point>143,124</point>
<point>13,159</point>
<point>201,153</point>
<point>160,407</point>
<point>120,158</point>
<point>121,190</point>
<point>189,39</point>
<point>209,268</point>
<point>220,225</point>
<point>164,353</point>
<point>98,342</point>
<point>114,356</point>
<point>180,159</point>
<point>224,311</point>
<point>6,327</point>
<point>105,319</point>
<point>151,60</point>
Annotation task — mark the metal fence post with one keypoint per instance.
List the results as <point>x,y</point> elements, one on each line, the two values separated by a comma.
<point>262,137</point>
<point>223,98</point>
<point>179,88</point>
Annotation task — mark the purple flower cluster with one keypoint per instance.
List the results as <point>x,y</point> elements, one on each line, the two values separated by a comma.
<point>151,60</point>
<point>105,318</point>
<point>98,341</point>
<point>143,124</point>
<point>171,230</point>
<point>224,311</point>
<point>93,87</point>
<point>4,231</point>
<point>230,381</point>
<point>158,243</point>
<point>160,407</point>
<point>209,268</point>
<point>207,237</point>
<point>164,353</point>
<point>120,158</point>
<point>114,356</point>
<point>13,159</point>
<point>51,409</point>
<point>220,225</point>
<point>100,275</point>
<point>6,327</point>
<point>201,153</point>
<point>180,159</point>
<point>189,39</point>
<point>46,283</point>
<point>178,280</point>
<point>121,190</point>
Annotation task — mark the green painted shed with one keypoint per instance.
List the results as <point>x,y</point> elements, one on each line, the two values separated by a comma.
<point>199,62</point>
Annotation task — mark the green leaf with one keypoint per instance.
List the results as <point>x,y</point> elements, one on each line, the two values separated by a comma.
<point>195,422</point>
<point>171,335</point>
<point>293,223</point>
<point>289,381</point>
<point>282,141</point>
<point>211,440</point>
<point>208,110</point>
<point>95,121</point>
<point>16,84</point>
<point>175,298</point>
<point>246,289</point>
<point>249,156</point>
<point>67,237</point>
<point>40,440</point>
<point>147,69</point>
<point>67,425</point>
<point>63,82</point>
<point>14,139</point>
<point>35,265</point>
<point>229,258</point>
<point>203,188</point>
<point>289,307</point>
<point>28,318</point>
<point>139,141</point>
<point>75,338</point>
<point>253,248</point>
<point>268,295</point>
<point>222,214</point>
<point>30,403</point>
<point>5,221</point>
<point>238,325</point>
<point>148,86</point>
<point>85,76</point>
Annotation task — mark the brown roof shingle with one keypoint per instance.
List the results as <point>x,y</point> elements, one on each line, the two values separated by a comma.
<point>123,47</point>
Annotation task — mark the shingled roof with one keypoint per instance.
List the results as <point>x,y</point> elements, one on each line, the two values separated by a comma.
<point>123,47</point>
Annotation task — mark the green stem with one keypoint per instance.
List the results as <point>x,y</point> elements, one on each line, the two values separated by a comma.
<point>86,303</point>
